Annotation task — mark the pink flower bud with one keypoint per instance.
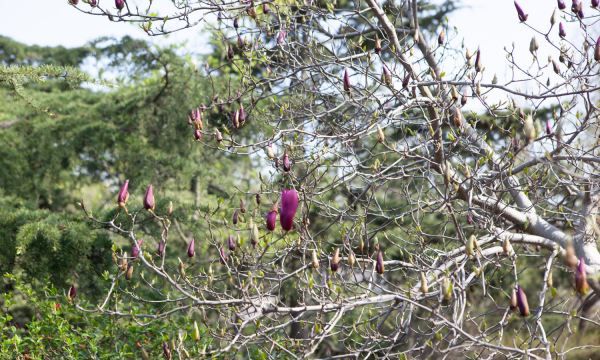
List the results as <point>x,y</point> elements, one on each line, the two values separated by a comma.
<point>191,251</point>
<point>561,30</point>
<point>522,301</point>
<point>347,85</point>
<point>271,219</point>
<point>223,256</point>
<point>149,198</point>
<point>581,284</point>
<point>197,135</point>
<point>281,37</point>
<point>289,205</point>
<point>548,127</point>
<point>231,243</point>
<point>123,194</point>
<point>120,4</point>
<point>561,5</point>
<point>379,266</point>
<point>287,166</point>
<point>161,248</point>
<point>597,50</point>
<point>521,13</point>
<point>135,249</point>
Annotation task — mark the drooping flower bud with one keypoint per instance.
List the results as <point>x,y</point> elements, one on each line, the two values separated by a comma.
<point>129,273</point>
<point>231,243</point>
<point>561,30</point>
<point>521,13</point>
<point>281,37</point>
<point>522,301</point>
<point>289,206</point>
<point>442,38</point>
<point>160,250</point>
<point>272,218</point>
<point>513,300</point>
<point>230,53</point>
<point>120,4</point>
<point>597,50</point>
<point>72,293</point>
<point>315,260</point>
<point>254,235</point>
<point>218,136</point>
<point>123,194</point>
<point>149,203</point>
<point>379,266</point>
<point>166,351</point>
<point>335,260</point>
<point>346,81</point>
<point>135,248</point>
<point>197,135</point>
<point>191,251</point>
<point>561,4</point>
<point>223,257</point>
<point>287,166</point>
<point>581,284</point>
<point>377,45</point>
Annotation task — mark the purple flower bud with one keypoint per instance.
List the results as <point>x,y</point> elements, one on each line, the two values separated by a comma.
<point>522,301</point>
<point>149,198</point>
<point>574,5</point>
<point>135,249</point>
<point>120,4</point>
<point>271,219</point>
<point>561,5</point>
<point>386,77</point>
<point>236,23</point>
<point>191,251</point>
<point>197,135</point>
<point>72,293</point>
<point>548,127</point>
<point>597,50</point>
<point>595,3</point>
<point>93,3</point>
<point>266,8</point>
<point>281,37</point>
<point>478,61</point>
<point>223,256</point>
<point>161,248</point>
<point>521,13</point>
<point>230,53</point>
<point>289,205</point>
<point>73,2</point>
<point>581,284</point>
<point>405,81</point>
<point>123,194</point>
<point>236,216</point>
<point>346,81</point>
<point>166,350</point>
<point>287,166</point>
<point>335,260</point>
<point>561,30</point>
<point>231,243</point>
<point>242,115</point>
<point>379,266</point>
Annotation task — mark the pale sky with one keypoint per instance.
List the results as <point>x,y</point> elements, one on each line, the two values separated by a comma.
<point>487,24</point>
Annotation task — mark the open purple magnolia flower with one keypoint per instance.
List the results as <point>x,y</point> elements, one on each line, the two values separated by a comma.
<point>289,206</point>
<point>520,12</point>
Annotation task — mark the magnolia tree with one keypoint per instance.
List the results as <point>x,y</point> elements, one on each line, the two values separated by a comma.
<point>387,220</point>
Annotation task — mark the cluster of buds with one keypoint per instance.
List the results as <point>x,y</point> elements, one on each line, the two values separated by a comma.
<point>238,117</point>
<point>123,196</point>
